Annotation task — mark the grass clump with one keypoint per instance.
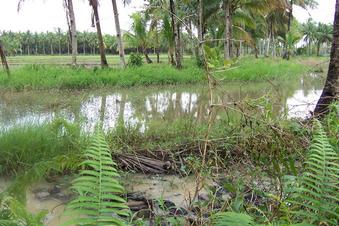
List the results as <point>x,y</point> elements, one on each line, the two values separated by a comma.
<point>22,147</point>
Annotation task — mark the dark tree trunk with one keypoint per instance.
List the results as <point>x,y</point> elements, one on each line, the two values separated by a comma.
<point>228,24</point>
<point>94,4</point>
<point>331,90</point>
<point>318,49</point>
<point>176,35</point>
<point>3,59</point>
<point>157,51</point>
<point>149,61</point>
<point>200,27</point>
<point>286,54</point>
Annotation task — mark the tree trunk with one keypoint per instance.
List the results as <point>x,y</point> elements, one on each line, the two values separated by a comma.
<point>228,24</point>
<point>73,30</point>
<point>52,49</point>
<point>176,35</point>
<point>3,59</point>
<point>268,45</point>
<point>84,48</point>
<point>318,49</point>
<point>331,90</point>
<point>286,54</point>
<point>149,61</point>
<point>157,51</point>
<point>59,47</point>
<point>309,47</point>
<point>119,36</point>
<point>94,4</point>
<point>200,27</point>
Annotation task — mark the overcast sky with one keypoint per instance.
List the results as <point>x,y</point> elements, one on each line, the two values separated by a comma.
<point>47,15</point>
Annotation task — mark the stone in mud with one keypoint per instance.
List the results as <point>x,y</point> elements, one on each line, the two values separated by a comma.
<point>42,195</point>
<point>54,189</point>
<point>203,197</point>
<point>169,204</point>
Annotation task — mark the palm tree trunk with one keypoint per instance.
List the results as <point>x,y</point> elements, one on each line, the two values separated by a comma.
<point>228,24</point>
<point>268,44</point>
<point>59,47</point>
<point>149,61</point>
<point>331,90</point>
<point>74,38</point>
<point>176,35</point>
<point>157,51</point>
<point>318,49</point>
<point>3,59</point>
<point>200,27</point>
<point>94,4</point>
<point>119,36</point>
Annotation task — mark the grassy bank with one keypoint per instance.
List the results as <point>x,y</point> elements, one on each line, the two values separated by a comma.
<point>35,77</point>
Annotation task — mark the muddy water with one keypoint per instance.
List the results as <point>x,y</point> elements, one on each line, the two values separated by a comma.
<point>140,105</point>
<point>166,187</point>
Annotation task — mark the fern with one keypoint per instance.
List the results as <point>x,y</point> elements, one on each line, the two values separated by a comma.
<point>13,212</point>
<point>98,202</point>
<point>317,196</point>
<point>232,218</point>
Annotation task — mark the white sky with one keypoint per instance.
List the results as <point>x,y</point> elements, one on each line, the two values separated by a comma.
<point>47,15</point>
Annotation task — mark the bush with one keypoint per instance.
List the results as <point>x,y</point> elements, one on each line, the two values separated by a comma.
<point>135,60</point>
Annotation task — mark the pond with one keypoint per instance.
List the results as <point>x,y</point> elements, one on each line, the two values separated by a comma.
<point>139,105</point>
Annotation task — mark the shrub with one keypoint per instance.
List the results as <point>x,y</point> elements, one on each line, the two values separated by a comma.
<point>135,60</point>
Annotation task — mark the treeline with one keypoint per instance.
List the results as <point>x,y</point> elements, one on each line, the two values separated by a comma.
<point>232,27</point>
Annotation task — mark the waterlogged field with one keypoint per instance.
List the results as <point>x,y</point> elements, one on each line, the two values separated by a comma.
<point>155,120</point>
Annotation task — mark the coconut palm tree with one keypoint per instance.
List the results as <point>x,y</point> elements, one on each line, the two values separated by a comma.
<point>96,23</point>
<point>331,89</point>
<point>324,34</point>
<point>139,34</point>
<point>70,16</point>
<point>310,32</point>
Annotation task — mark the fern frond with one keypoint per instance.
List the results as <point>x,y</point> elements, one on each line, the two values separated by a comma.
<point>232,218</point>
<point>98,201</point>
<point>13,212</point>
<point>317,196</point>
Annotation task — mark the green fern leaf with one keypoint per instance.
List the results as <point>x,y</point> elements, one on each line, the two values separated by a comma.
<point>98,201</point>
<point>232,218</point>
<point>317,196</point>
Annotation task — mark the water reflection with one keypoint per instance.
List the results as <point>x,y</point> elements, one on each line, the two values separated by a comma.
<point>140,105</point>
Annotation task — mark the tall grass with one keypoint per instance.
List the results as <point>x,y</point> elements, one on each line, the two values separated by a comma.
<point>35,77</point>
<point>22,147</point>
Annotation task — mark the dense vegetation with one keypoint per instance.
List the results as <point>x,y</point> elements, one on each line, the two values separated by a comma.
<point>38,77</point>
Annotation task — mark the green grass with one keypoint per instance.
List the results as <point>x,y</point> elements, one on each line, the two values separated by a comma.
<point>35,77</point>
<point>23,146</point>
